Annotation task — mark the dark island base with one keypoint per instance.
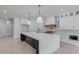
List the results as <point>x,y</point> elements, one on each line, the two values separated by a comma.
<point>31,41</point>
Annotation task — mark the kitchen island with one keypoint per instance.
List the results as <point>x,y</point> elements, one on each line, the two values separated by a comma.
<point>43,43</point>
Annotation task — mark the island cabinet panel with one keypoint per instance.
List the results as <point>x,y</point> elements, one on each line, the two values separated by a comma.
<point>41,42</point>
<point>31,41</point>
<point>22,37</point>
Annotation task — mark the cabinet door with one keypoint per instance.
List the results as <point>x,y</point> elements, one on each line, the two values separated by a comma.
<point>28,40</point>
<point>66,24</point>
<point>23,21</point>
<point>23,37</point>
<point>61,24</point>
<point>76,23</point>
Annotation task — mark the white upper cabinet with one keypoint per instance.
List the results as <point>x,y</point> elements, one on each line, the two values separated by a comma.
<point>23,21</point>
<point>71,22</point>
<point>50,21</point>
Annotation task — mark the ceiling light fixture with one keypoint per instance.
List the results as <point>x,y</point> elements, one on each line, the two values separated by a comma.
<point>39,18</point>
<point>61,10</point>
<point>4,11</point>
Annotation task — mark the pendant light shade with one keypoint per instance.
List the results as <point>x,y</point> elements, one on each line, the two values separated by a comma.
<point>39,19</point>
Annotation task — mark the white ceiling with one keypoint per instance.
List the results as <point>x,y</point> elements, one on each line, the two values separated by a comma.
<point>22,10</point>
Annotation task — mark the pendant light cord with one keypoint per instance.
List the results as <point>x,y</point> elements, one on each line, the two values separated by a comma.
<point>39,9</point>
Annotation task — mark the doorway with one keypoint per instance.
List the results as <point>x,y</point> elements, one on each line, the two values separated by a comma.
<point>6,27</point>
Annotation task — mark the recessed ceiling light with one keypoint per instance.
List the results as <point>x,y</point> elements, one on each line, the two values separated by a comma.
<point>61,10</point>
<point>4,11</point>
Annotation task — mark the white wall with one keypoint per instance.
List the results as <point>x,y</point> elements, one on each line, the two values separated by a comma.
<point>3,27</point>
<point>33,26</point>
<point>24,26</point>
<point>10,27</point>
<point>17,28</point>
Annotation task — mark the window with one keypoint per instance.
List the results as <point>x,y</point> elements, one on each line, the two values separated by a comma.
<point>77,12</point>
<point>71,14</point>
<point>66,15</point>
<point>61,15</point>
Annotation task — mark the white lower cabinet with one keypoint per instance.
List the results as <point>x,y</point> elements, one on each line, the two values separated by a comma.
<point>65,36</point>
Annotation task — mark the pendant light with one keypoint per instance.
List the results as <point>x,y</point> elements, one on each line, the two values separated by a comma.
<point>39,18</point>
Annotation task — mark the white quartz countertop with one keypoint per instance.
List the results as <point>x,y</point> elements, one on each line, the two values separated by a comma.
<point>40,36</point>
<point>68,32</point>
